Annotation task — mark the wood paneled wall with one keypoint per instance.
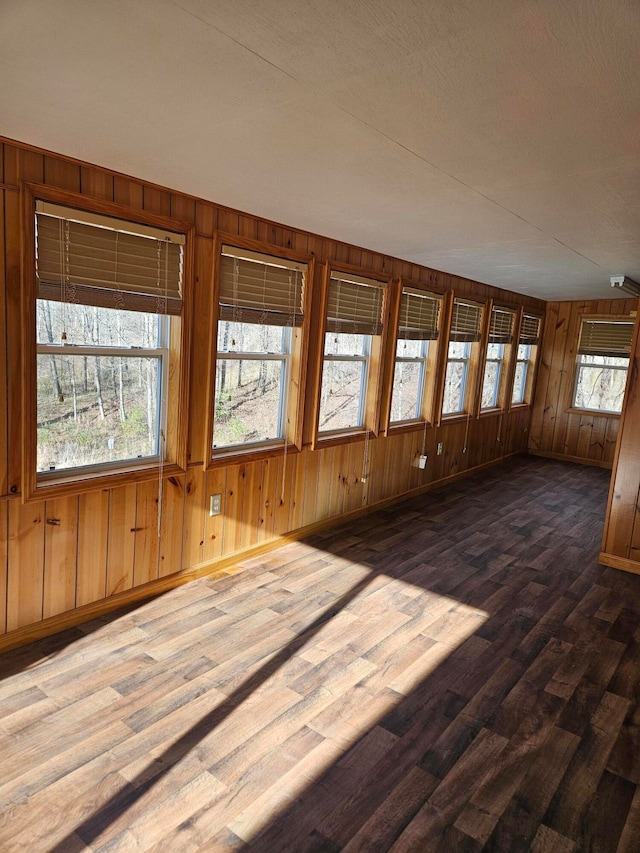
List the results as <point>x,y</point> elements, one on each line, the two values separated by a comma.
<point>80,551</point>
<point>556,430</point>
<point>621,538</point>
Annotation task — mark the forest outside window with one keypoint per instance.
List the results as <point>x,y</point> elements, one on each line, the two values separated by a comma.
<point>464,336</point>
<point>351,349</point>
<point>603,361</point>
<point>528,342</point>
<point>415,355</point>
<point>261,313</point>
<point>108,301</point>
<point>500,337</point>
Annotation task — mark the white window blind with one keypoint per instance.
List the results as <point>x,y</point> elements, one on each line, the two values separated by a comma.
<point>354,305</point>
<point>257,288</point>
<point>465,321</point>
<point>501,326</point>
<point>608,338</point>
<point>419,312</point>
<point>106,262</point>
<point>530,330</point>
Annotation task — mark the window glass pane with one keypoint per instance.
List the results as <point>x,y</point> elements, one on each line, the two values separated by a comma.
<point>407,391</point>
<point>411,349</point>
<point>599,386</point>
<point>248,400</point>
<point>458,349</point>
<point>250,337</point>
<point>519,382</point>
<point>490,384</point>
<point>454,383</point>
<point>340,398</point>
<point>88,326</point>
<point>524,352</point>
<point>339,343</point>
<point>494,350</point>
<point>604,361</point>
<point>94,409</point>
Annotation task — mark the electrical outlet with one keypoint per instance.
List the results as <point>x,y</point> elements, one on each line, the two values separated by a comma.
<point>440,448</point>
<point>215,504</point>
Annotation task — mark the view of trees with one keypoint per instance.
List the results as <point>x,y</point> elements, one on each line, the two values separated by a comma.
<point>343,380</point>
<point>248,402</point>
<point>600,382</point>
<point>94,405</point>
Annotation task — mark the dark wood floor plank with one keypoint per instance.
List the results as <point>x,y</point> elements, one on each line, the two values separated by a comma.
<point>456,672</point>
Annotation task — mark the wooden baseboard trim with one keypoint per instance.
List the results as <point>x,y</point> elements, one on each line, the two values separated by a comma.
<point>621,563</point>
<point>223,565</point>
<point>578,460</point>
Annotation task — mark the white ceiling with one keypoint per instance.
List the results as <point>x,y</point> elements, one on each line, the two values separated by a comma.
<point>495,139</point>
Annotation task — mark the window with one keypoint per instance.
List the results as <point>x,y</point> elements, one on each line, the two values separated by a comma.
<point>603,359</point>
<point>525,358</point>
<point>500,336</point>
<point>260,315</point>
<point>464,333</point>
<point>351,346</point>
<point>108,303</point>
<point>414,362</point>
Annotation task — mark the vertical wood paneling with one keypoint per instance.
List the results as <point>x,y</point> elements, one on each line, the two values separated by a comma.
<point>122,539</point>
<point>146,551</point>
<point>193,529</point>
<point>25,577</point>
<point>199,349</point>
<point>171,523</point>
<point>60,555</point>
<point>4,541</point>
<point>4,414</point>
<point>13,340</point>
<point>93,531</point>
<point>555,428</point>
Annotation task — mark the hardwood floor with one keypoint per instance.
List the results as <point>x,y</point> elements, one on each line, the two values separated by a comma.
<point>454,673</point>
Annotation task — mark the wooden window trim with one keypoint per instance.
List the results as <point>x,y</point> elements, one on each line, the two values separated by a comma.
<point>571,408</point>
<point>473,390</point>
<point>179,349</point>
<point>298,359</point>
<point>433,368</point>
<point>507,368</point>
<point>378,362</point>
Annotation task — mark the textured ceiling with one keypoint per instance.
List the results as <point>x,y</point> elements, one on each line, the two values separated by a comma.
<point>495,139</point>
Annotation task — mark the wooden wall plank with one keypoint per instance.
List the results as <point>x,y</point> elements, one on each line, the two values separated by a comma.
<point>4,558</point>
<point>25,577</point>
<point>4,408</point>
<point>13,340</point>
<point>60,555</point>
<point>171,523</point>
<point>93,534</point>
<point>122,539</point>
<point>555,428</point>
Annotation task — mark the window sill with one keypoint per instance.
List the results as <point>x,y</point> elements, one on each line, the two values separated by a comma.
<point>455,417</point>
<point>332,439</point>
<point>492,412</point>
<point>55,487</point>
<point>597,413</point>
<point>240,455</point>
<point>400,427</point>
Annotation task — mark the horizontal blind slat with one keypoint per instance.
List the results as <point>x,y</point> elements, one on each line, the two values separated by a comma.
<point>94,265</point>
<point>530,330</point>
<point>500,326</point>
<point>255,289</point>
<point>355,305</point>
<point>605,338</point>
<point>419,313</point>
<point>465,321</point>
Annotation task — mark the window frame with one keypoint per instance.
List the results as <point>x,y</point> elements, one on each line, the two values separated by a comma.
<point>472,391</point>
<point>506,368</point>
<point>609,318</point>
<point>532,363</point>
<point>40,485</point>
<point>375,364</point>
<point>295,370</point>
<point>431,363</point>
